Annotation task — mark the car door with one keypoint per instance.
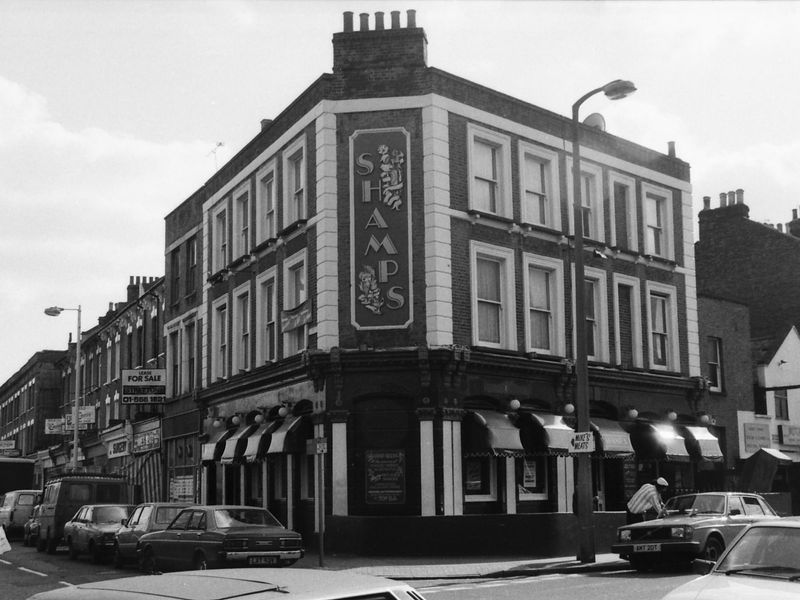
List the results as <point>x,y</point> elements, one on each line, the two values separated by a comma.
<point>190,539</point>
<point>736,520</point>
<point>167,543</point>
<point>126,540</point>
<point>79,528</point>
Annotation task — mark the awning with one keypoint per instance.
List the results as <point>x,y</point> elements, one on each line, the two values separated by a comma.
<point>545,433</point>
<point>610,438</point>
<point>235,444</point>
<point>212,450</point>
<point>488,432</point>
<point>658,441</point>
<point>759,469</point>
<point>701,443</point>
<point>290,437</point>
<point>783,459</point>
<point>259,441</point>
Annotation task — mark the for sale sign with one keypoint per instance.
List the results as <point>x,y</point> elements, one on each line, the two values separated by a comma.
<point>144,386</point>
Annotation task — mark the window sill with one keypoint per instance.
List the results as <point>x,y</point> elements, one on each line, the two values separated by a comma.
<point>477,215</point>
<point>292,228</point>
<point>267,244</point>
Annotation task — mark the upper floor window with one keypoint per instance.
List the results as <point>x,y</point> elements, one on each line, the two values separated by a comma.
<point>175,275</point>
<point>658,222</point>
<point>493,320</point>
<point>241,334</point>
<point>190,356</point>
<point>628,321</point>
<point>662,326</point>
<point>295,326</point>
<point>540,191</point>
<point>489,172</point>
<point>592,221</point>
<point>781,405</point>
<point>545,297</point>
<point>174,361</point>
<point>596,314</point>
<point>622,192</point>
<point>265,199</point>
<point>714,349</point>
<point>294,166</point>
<point>191,265</point>
<point>266,320</point>
<point>220,258</point>
<point>242,223</point>
<point>220,340</point>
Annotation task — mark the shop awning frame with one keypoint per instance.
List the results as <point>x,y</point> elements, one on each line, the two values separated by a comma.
<point>611,440</point>
<point>212,450</point>
<point>701,443</point>
<point>490,433</point>
<point>658,441</point>
<point>236,444</point>
<point>259,441</point>
<point>545,433</point>
<point>290,436</point>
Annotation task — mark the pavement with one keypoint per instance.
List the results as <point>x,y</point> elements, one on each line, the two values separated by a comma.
<point>466,567</point>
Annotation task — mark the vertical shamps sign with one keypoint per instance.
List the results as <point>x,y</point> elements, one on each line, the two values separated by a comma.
<point>380,229</point>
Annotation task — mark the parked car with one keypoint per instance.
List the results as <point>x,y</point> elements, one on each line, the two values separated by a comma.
<point>246,584</point>
<point>151,516</point>
<point>692,525</point>
<point>763,562</point>
<point>31,528</point>
<point>15,509</point>
<point>92,529</point>
<point>203,537</point>
<point>65,494</point>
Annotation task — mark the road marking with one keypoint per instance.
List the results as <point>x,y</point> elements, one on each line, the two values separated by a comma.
<point>32,571</point>
<point>5,562</point>
<point>66,583</point>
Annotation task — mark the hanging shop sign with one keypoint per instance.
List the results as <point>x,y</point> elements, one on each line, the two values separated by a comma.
<point>147,440</point>
<point>144,386</point>
<point>380,229</point>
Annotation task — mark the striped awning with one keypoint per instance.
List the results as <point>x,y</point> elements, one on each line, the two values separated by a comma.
<point>610,438</point>
<point>657,441</point>
<point>545,433</point>
<point>236,444</point>
<point>259,441</point>
<point>701,443</point>
<point>145,473</point>
<point>212,450</point>
<point>490,432</point>
<point>291,435</point>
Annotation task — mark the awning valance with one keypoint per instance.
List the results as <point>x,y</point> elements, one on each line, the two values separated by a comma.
<point>658,441</point>
<point>212,450</point>
<point>701,443</point>
<point>610,438</point>
<point>490,432</point>
<point>291,435</point>
<point>259,440</point>
<point>235,444</point>
<point>545,433</point>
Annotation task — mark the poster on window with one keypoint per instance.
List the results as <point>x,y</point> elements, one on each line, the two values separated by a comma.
<point>380,229</point>
<point>386,476</point>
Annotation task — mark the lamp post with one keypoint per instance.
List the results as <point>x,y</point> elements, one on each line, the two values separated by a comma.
<point>54,311</point>
<point>615,90</point>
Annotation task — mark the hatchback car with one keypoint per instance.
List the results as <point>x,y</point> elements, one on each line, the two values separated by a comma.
<point>246,584</point>
<point>692,525</point>
<point>147,517</point>
<point>202,537</point>
<point>30,531</point>
<point>15,508</point>
<point>763,562</point>
<point>92,529</point>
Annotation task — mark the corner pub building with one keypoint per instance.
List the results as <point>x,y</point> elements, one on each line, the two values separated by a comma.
<point>383,275</point>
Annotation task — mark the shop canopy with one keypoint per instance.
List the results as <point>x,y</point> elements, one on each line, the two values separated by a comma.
<point>656,441</point>
<point>701,443</point>
<point>291,435</point>
<point>488,432</point>
<point>259,441</point>
<point>545,433</point>
<point>212,450</point>
<point>610,438</point>
<point>236,444</point>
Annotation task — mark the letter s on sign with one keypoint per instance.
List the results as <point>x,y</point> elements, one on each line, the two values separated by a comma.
<point>365,166</point>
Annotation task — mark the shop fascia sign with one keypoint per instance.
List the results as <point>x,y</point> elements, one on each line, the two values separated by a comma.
<point>380,229</point>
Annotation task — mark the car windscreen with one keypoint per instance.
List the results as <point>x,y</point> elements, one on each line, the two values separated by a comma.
<point>707,504</point>
<point>766,551</point>
<point>236,517</point>
<point>110,514</point>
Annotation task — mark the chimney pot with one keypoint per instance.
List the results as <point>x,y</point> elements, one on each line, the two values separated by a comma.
<point>740,196</point>
<point>671,149</point>
<point>364,21</point>
<point>780,227</point>
<point>395,19</point>
<point>265,123</point>
<point>794,214</point>
<point>378,21</point>
<point>723,199</point>
<point>706,202</point>
<point>731,198</point>
<point>348,21</point>
<point>411,16</point>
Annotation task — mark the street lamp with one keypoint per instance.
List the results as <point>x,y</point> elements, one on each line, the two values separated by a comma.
<point>54,311</point>
<point>614,90</point>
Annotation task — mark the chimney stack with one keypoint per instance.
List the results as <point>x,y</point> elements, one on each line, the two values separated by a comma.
<point>723,199</point>
<point>671,149</point>
<point>731,198</point>
<point>348,22</point>
<point>740,196</point>
<point>265,123</point>
<point>706,202</point>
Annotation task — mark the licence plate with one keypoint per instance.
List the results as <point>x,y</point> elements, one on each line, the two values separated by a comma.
<point>647,547</point>
<point>262,560</point>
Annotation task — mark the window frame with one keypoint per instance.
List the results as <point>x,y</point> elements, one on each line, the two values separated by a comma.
<point>715,366</point>
<point>552,193</point>
<point>492,494</point>
<point>781,404</point>
<point>242,238</point>
<point>264,279</point>
<point>502,143</point>
<point>555,268</point>
<point>668,240</point>
<point>631,216</point>
<point>292,210</point>
<point>265,215</point>
<point>508,321</point>
<point>599,277</point>
<point>597,213</point>
<point>191,265</point>
<point>636,318</point>
<point>292,346</point>
<point>241,329</point>
<point>519,465</point>
<point>220,338</point>
<point>673,349</point>
<point>220,254</point>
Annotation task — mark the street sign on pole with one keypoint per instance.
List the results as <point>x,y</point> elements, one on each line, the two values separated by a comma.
<point>582,441</point>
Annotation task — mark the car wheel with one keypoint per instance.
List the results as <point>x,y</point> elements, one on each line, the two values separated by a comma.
<point>148,563</point>
<point>200,563</point>
<point>713,549</point>
<point>73,551</point>
<point>119,560</point>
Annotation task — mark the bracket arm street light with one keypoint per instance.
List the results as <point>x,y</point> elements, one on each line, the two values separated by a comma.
<point>54,311</point>
<point>614,90</point>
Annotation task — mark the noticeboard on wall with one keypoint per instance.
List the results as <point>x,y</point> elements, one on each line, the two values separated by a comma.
<point>386,476</point>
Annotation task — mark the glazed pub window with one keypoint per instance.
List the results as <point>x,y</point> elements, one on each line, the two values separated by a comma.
<point>781,404</point>
<point>714,349</point>
<point>307,478</point>
<point>480,478</point>
<point>531,477</point>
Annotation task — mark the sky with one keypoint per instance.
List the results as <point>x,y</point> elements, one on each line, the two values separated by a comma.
<point>113,112</point>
